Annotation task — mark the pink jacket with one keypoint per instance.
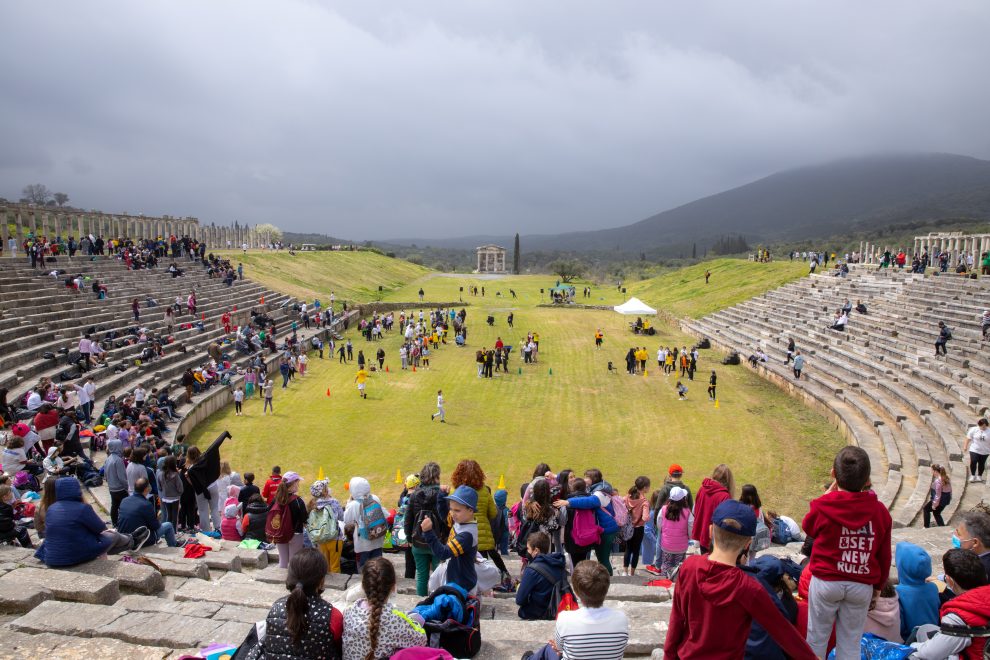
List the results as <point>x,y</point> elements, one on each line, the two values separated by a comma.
<point>674,534</point>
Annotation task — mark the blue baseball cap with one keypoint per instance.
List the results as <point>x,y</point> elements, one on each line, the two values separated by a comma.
<point>741,513</point>
<point>469,497</point>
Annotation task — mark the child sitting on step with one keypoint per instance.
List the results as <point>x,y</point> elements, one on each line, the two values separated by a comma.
<point>231,527</point>
<point>373,627</point>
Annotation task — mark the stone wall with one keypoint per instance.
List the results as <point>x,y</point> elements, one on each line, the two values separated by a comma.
<point>367,309</point>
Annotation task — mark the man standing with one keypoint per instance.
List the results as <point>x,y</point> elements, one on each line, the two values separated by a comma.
<point>441,413</point>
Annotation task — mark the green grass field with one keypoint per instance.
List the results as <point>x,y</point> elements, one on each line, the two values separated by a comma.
<point>578,417</point>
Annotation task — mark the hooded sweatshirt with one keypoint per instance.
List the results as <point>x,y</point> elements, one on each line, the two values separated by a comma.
<point>535,591</point>
<point>713,609</point>
<point>919,600</point>
<point>73,531</point>
<point>884,620</point>
<point>461,550</point>
<point>230,527</point>
<point>710,495</point>
<point>114,469</point>
<point>852,538</point>
<point>360,488</point>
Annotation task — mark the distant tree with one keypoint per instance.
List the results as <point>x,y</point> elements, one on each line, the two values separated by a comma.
<point>515,256</point>
<point>567,269</point>
<point>36,193</point>
<point>415,258</point>
<point>61,198</point>
<point>269,232</point>
<point>730,245</point>
<point>694,250</point>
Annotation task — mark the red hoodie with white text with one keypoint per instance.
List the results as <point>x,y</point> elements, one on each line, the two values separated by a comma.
<point>852,538</point>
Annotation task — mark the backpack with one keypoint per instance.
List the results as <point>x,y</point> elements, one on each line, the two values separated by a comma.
<point>373,524</point>
<point>781,532</point>
<point>585,530</point>
<point>321,525</point>
<point>948,333</point>
<point>762,539</point>
<point>279,525</point>
<point>399,539</point>
<point>622,518</point>
<point>439,524</point>
<point>514,518</point>
<point>525,529</point>
<point>461,640</point>
<point>561,598</point>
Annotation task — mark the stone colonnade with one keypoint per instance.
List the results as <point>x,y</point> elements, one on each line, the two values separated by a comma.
<point>491,259</point>
<point>957,244</point>
<point>18,221</point>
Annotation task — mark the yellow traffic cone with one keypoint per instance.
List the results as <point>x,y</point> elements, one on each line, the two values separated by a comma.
<point>319,475</point>
<point>645,372</point>
<point>398,476</point>
<point>501,482</point>
<point>716,403</point>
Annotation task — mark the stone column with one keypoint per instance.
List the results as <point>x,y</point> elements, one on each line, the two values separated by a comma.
<point>5,231</point>
<point>19,227</point>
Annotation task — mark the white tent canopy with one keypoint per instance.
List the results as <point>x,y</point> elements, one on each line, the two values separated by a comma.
<point>635,306</point>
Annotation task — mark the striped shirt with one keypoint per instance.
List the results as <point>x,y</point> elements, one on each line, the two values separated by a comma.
<point>596,633</point>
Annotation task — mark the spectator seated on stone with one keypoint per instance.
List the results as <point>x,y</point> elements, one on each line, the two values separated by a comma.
<point>9,529</point>
<point>757,357</point>
<point>965,577</point>
<point>860,307</point>
<point>137,511</point>
<point>75,534</point>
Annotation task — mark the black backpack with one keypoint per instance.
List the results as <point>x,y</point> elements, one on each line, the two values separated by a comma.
<point>461,640</point>
<point>561,587</point>
<point>426,510</point>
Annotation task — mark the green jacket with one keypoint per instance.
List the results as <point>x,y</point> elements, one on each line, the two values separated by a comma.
<point>487,510</point>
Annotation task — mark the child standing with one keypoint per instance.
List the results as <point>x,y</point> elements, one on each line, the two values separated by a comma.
<point>250,378</point>
<point>268,391</point>
<point>268,492</point>
<point>360,378</point>
<point>463,544</point>
<point>674,523</point>
<point>248,489</point>
<point>323,524</point>
<point>500,530</point>
<point>238,400</point>
<point>441,413</point>
<point>362,500</point>
<point>287,509</point>
<point>374,627</point>
<point>715,602</point>
<point>844,583</point>
<point>638,508</point>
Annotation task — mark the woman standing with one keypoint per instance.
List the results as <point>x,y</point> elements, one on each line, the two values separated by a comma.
<point>426,502</point>
<point>599,501</point>
<point>978,445</point>
<point>287,500</point>
<point>939,497</point>
<point>469,473</point>
<point>638,507</point>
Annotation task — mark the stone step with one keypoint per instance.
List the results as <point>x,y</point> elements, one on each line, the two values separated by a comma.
<point>50,645</point>
<point>131,577</point>
<point>66,585</point>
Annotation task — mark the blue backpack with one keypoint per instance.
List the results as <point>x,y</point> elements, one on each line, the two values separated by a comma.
<point>781,532</point>
<point>374,525</point>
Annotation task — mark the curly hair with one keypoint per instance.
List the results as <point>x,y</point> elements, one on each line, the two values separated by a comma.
<point>468,473</point>
<point>377,580</point>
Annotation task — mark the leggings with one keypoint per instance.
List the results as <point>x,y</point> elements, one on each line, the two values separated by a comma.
<point>633,545</point>
<point>172,512</point>
<point>287,550</point>
<point>237,406</point>
<point>977,463</point>
<point>496,559</point>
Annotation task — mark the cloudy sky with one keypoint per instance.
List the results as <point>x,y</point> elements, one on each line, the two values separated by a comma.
<point>428,119</point>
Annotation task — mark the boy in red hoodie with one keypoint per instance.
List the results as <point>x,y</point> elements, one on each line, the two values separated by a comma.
<point>268,492</point>
<point>715,602</point>
<point>715,490</point>
<point>850,559</point>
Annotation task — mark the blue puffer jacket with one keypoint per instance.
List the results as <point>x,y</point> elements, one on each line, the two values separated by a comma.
<point>73,531</point>
<point>604,517</point>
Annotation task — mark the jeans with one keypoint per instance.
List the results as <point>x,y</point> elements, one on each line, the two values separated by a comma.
<point>843,603</point>
<point>603,550</point>
<point>426,562</point>
<point>121,542</point>
<point>368,555</point>
<point>167,532</point>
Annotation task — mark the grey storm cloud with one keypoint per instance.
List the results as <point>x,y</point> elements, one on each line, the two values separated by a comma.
<point>429,119</point>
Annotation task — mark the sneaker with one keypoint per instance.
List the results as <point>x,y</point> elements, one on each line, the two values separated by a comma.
<point>213,535</point>
<point>651,569</point>
<point>971,479</point>
<point>139,538</point>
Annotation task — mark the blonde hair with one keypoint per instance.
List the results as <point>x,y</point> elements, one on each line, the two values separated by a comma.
<point>723,474</point>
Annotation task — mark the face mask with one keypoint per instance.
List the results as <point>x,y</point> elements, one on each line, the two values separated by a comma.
<point>956,543</point>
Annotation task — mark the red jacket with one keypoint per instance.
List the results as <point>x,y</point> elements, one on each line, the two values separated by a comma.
<point>973,607</point>
<point>268,492</point>
<point>710,495</point>
<point>852,538</point>
<point>714,606</point>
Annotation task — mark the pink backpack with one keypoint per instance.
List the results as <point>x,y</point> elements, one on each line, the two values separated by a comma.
<point>421,653</point>
<point>514,518</point>
<point>585,530</point>
<point>620,509</point>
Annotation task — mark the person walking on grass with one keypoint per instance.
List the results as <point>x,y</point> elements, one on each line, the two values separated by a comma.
<point>712,380</point>
<point>361,378</point>
<point>599,336</point>
<point>441,413</point>
<point>268,391</point>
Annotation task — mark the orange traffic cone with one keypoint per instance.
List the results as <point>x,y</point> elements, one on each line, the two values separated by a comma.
<point>328,391</point>
<point>202,317</point>
<point>414,368</point>
<point>262,300</point>
<point>386,368</point>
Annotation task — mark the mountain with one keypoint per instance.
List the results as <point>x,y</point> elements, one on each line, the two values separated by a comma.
<point>804,203</point>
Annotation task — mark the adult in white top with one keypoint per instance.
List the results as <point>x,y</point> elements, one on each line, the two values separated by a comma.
<point>978,445</point>
<point>139,395</point>
<point>34,400</point>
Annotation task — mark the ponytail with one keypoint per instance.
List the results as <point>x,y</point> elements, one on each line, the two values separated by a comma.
<point>377,580</point>
<point>307,569</point>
